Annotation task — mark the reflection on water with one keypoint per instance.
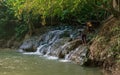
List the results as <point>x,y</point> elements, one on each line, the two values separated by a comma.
<point>13,63</point>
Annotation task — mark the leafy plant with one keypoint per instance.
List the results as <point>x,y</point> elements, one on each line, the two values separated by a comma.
<point>28,12</point>
<point>20,30</point>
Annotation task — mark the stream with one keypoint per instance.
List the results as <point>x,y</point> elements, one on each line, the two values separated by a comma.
<point>15,63</point>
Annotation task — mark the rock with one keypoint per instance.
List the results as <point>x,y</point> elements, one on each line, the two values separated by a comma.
<point>61,43</point>
<point>30,45</point>
<point>66,48</point>
<point>56,47</point>
<point>65,34</point>
<point>79,56</point>
<point>10,42</point>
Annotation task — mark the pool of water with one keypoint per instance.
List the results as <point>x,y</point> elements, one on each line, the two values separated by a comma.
<point>14,63</point>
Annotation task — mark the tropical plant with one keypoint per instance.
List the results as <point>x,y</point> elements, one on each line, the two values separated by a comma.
<point>28,12</point>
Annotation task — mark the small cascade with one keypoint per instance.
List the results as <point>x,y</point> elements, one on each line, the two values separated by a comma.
<point>66,59</point>
<point>57,44</point>
<point>39,48</point>
<point>49,39</point>
<point>49,50</point>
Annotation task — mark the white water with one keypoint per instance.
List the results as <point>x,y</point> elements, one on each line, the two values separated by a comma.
<point>51,57</point>
<point>49,40</point>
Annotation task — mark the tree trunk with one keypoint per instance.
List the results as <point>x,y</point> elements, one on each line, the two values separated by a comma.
<point>116,5</point>
<point>115,8</point>
<point>31,28</point>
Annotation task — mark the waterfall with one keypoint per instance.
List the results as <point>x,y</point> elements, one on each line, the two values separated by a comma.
<point>48,40</point>
<point>57,44</point>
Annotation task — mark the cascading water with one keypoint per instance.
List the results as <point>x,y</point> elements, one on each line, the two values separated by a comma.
<point>59,44</point>
<point>50,39</point>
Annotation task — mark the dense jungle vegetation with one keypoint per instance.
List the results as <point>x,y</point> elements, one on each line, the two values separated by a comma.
<point>24,16</point>
<point>19,18</point>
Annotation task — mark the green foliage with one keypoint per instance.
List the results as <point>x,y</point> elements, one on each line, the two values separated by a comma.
<point>4,18</point>
<point>48,8</point>
<point>9,12</point>
<point>20,30</point>
<point>28,12</point>
<point>79,10</point>
<point>2,24</point>
<point>14,6</point>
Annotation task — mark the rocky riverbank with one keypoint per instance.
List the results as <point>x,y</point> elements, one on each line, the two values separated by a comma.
<point>105,49</point>
<point>102,50</point>
<point>64,42</point>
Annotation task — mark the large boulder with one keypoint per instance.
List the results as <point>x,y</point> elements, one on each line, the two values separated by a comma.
<point>79,56</point>
<point>56,46</point>
<point>30,45</point>
<point>68,47</point>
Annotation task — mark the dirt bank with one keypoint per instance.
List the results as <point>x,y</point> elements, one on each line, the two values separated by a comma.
<point>105,49</point>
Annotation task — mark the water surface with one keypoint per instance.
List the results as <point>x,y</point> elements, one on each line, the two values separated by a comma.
<point>14,63</point>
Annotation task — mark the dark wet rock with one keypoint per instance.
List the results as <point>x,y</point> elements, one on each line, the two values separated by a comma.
<point>65,34</point>
<point>74,51</point>
<point>79,56</point>
<point>12,43</point>
<point>69,46</point>
<point>65,43</point>
<point>30,45</point>
<point>56,47</point>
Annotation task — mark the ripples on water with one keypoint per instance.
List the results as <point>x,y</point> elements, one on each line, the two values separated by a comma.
<point>13,63</point>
